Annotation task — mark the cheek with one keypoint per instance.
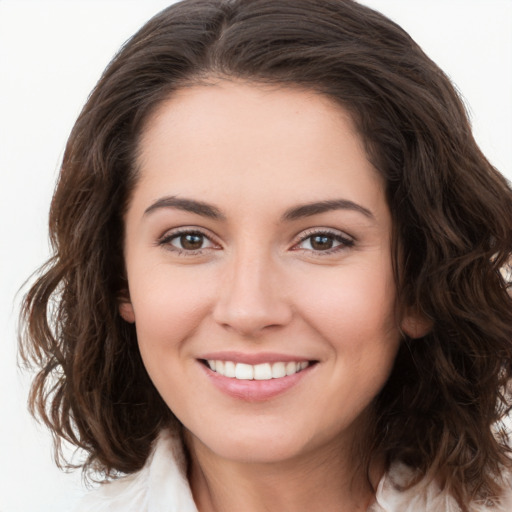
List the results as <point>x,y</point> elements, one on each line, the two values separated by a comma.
<point>355,317</point>
<point>168,306</point>
<point>353,306</point>
<point>169,309</point>
<point>353,311</point>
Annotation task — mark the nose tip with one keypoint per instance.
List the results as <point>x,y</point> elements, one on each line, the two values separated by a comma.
<point>249,322</point>
<point>251,300</point>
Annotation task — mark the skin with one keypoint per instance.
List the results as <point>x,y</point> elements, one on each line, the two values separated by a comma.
<point>259,283</point>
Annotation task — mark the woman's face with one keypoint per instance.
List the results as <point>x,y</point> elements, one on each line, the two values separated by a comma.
<point>258,238</point>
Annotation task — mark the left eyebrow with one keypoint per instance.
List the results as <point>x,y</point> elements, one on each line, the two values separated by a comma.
<point>187,205</point>
<point>307,210</point>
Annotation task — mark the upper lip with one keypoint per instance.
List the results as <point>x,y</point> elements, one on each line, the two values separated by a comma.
<point>253,358</point>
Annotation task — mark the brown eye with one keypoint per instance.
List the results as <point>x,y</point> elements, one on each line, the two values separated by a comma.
<point>191,241</point>
<point>321,242</point>
<point>187,241</point>
<point>325,242</point>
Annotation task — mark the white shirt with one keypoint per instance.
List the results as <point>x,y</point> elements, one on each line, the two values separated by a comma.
<point>162,486</point>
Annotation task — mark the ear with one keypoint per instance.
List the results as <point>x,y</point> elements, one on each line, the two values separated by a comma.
<point>126,308</point>
<point>415,325</point>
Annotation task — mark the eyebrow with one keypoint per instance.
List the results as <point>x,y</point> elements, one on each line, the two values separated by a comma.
<point>311,209</point>
<point>187,205</point>
<point>295,213</point>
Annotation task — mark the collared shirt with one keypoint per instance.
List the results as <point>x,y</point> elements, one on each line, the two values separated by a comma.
<point>162,486</point>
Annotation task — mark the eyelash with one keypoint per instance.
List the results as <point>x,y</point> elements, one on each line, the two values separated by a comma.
<point>165,241</point>
<point>345,242</point>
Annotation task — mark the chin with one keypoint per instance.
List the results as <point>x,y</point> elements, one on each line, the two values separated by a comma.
<point>249,452</point>
<point>261,445</point>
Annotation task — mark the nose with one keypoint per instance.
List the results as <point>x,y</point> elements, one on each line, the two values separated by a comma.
<point>251,298</point>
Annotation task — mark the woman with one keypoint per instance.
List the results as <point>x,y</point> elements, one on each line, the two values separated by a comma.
<point>279,273</point>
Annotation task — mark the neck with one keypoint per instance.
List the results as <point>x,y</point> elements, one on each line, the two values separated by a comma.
<point>325,480</point>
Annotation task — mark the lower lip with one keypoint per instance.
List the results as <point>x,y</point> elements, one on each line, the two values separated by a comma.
<point>255,390</point>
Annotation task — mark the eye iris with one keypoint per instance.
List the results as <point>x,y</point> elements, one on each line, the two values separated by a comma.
<point>321,242</point>
<point>191,241</point>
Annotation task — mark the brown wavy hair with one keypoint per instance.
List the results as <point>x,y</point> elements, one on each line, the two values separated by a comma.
<point>442,409</point>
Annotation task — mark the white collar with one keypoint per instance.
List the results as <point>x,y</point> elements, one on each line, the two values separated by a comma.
<point>162,486</point>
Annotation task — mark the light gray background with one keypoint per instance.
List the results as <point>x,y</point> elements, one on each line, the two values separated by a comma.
<point>52,53</point>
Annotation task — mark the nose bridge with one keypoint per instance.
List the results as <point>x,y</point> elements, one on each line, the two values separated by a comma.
<point>250,296</point>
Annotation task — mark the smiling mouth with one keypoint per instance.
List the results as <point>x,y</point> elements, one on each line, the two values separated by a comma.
<point>263,371</point>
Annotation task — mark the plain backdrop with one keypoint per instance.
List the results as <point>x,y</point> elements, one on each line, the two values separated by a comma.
<point>51,54</point>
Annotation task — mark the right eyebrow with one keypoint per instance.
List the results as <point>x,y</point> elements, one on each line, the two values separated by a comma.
<point>187,205</point>
<point>310,209</point>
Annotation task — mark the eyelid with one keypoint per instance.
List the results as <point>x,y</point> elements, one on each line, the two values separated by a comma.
<point>171,234</point>
<point>346,240</point>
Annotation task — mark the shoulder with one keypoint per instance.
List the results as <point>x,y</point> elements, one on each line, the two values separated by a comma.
<point>161,480</point>
<point>426,497</point>
<point>126,494</point>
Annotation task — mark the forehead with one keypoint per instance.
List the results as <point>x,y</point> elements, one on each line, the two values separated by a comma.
<point>237,140</point>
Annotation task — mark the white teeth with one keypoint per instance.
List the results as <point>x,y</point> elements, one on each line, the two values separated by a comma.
<point>278,370</point>
<point>291,368</point>
<point>263,371</point>
<point>244,371</point>
<point>229,369</point>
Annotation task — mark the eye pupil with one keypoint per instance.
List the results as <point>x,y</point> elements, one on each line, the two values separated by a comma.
<point>321,242</point>
<point>191,241</point>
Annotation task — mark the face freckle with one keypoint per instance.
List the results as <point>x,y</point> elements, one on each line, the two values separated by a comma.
<point>258,238</point>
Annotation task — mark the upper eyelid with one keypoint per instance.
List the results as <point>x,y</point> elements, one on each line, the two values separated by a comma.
<point>345,240</point>
<point>170,234</point>
<point>306,233</point>
<point>300,237</point>
<point>173,232</point>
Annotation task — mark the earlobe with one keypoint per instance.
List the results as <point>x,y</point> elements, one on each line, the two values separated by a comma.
<point>416,325</point>
<point>126,311</point>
